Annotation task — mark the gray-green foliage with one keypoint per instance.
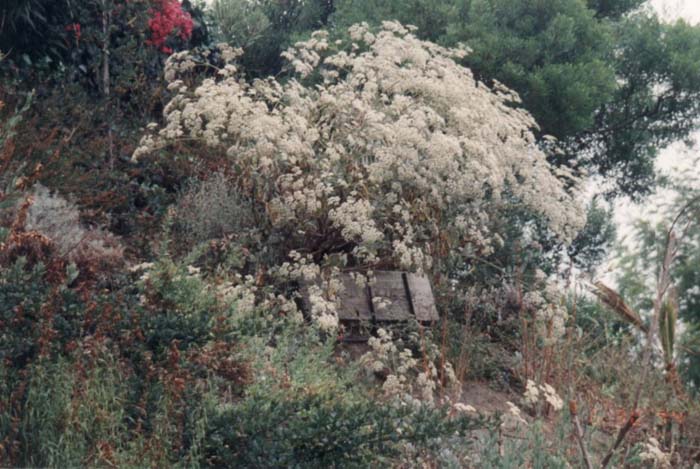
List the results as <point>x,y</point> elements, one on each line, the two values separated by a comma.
<point>212,209</point>
<point>531,447</point>
<point>239,22</point>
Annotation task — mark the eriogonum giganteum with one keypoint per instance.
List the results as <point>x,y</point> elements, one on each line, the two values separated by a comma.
<point>386,152</point>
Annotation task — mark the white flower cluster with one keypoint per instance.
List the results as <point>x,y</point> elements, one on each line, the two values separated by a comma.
<point>322,294</point>
<point>512,418</point>
<point>551,314</point>
<point>305,60</point>
<point>533,394</point>
<point>248,299</point>
<point>464,408</point>
<point>653,453</point>
<point>395,123</point>
<point>406,379</point>
<point>301,268</point>
<point>323,310</point>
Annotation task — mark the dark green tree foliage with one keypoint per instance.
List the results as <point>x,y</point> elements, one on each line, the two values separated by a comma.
<point>613,8</point>
<point>34,28</point>
<point>591,245</point>
<point>431,18</point>
<point>553,53</point>
<point>656,102</point>
<point>266,28</point>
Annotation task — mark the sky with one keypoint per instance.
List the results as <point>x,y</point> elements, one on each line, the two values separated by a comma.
<point>672,9</point>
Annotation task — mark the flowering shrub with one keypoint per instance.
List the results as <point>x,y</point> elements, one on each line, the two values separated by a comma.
<point>406,379</point>
<point>386,156</point>
<point>549,312</point>
<point>534,394</point>
<point>169,20</point>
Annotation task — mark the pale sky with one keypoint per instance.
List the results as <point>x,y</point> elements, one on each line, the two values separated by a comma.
<point>672,9</point>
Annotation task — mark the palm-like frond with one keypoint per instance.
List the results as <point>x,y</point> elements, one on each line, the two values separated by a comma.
<point>667,326</point>
<point>615,302</point>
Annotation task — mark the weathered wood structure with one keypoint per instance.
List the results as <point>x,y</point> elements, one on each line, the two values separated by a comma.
<point>389,296</point>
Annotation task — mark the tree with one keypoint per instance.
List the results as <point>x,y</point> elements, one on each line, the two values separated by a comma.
<point>656,101</point>
<point>591,245</point>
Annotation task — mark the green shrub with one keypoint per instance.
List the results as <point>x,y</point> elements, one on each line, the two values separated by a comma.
<point>177,305</point>
<point>308,408</point>
<point>289,430</point>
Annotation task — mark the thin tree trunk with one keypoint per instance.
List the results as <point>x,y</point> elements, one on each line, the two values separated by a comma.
<point>106,85</point>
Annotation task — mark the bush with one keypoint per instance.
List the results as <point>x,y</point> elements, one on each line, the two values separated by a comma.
<point>96,252</point>
<point>366,161</point>
<point>211,209</point>
<point>177,306</point>
<point>307,407</point>
<point>39,317</point>
<point>330,431</point>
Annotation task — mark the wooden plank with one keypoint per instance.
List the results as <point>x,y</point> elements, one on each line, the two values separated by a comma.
<point>354,301</point>
<point>390,302</point>
<point>422,297</point>
<point>389,297</point>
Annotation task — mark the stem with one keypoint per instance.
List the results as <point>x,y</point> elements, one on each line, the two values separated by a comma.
<point>620,437</point>
<point>106,26</point>
<point>579,435</point>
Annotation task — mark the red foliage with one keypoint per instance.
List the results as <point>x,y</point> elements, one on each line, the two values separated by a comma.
<point>75,27</point>
<point>169,19</point>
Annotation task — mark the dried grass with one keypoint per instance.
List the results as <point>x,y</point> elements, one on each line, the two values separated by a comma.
<point>95,251</point>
